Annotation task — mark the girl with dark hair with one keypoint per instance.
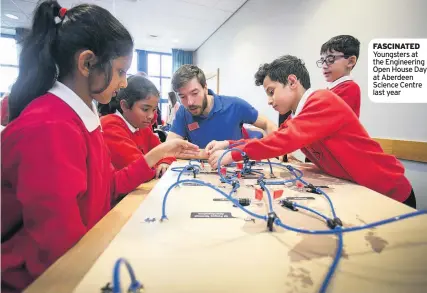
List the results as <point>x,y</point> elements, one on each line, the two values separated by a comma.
<point>127,129</point>
<point>56,173</point>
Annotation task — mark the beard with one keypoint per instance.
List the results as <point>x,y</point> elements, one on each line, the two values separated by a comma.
<point>202,107</point>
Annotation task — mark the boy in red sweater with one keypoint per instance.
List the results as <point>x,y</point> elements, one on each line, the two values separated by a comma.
<point>325,128</point>
<point>57,180</point>
<point>338,58</point>
<point>127,131</point>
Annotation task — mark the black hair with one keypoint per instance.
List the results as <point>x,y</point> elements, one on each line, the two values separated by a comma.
<point>186,73</point>
<point>346,44</point>
<point>139,88</point>
<point>56,35</point>
<point>281,68</point>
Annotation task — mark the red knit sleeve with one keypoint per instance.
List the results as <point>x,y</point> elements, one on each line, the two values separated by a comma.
<point>350,93</point>
<point>322,115</point>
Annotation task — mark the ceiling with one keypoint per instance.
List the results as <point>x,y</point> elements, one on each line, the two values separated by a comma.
<point>181,24</point>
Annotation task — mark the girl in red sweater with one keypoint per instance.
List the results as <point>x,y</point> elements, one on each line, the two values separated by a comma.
<point>326,130</point>
<point>127,130</point>
<point>57,180</point>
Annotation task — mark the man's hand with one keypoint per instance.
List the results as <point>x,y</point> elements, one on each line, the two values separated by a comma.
<point>214,157</point>
<point>161,169</point>
<point>214,146</point>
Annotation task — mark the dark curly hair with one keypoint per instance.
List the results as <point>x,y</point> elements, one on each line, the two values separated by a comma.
<point>281,68</point>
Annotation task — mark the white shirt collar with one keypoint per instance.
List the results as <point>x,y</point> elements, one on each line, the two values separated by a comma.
<point>302,102</point>
<point>89,117</point>
<point>131,128</point>
<point>339,80</point>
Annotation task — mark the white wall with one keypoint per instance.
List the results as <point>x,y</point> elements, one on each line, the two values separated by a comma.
<point>262,30</point>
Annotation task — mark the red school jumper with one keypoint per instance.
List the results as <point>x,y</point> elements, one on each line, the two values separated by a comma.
<point>127,144</point>
<point>328,132</point>
<point>349,91</point>
<point>57,183</point>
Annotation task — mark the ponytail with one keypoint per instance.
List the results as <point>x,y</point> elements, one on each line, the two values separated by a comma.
<point>37,68</point>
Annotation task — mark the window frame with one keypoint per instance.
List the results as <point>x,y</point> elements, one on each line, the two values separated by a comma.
<point>163,100</point>
<point>8,36</point>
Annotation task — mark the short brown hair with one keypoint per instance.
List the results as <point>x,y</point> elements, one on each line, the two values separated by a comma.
<point>186,73</point>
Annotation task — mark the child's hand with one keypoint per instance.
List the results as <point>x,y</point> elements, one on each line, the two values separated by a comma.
<point>161,169</point>
<point>179,148</point>
<point>214,157</point>
<point>214,146</point>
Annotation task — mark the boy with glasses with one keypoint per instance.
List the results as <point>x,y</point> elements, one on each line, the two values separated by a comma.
<point>338,58</point>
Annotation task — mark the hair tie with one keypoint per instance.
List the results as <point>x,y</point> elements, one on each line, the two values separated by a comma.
<point>62,12</point>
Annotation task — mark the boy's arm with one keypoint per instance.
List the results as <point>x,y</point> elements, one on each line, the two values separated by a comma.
<point>321,116</point>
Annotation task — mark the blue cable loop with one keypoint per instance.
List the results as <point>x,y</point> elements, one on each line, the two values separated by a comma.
<point>116,277</point>
<point>236,202</point>
<point>219,163</point>
<point>298,177</point>
<point>191,168</point>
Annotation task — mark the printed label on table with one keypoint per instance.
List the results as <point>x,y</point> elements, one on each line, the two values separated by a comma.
<point>397,70</point>
<point>210,215</point>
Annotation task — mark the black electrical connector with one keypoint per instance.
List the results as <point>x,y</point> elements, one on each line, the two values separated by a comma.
<point>235,184</point>
<point>312,189</point>
<point>270,220</point>
<point>332,223</point>
<point>288,204</point>
<point>338,221</point>
<point>244,202</point>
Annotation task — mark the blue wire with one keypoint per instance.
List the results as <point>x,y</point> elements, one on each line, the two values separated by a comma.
<point>219,164</point>
<point>310,210</point>
<point>214,188</point>
<point>116,276</point>
<point>298,177</point>
<point>325,195</point>
<point>187,168</point>
<point>271,167</point>
<point>334,265</point>
<point>352,229</point>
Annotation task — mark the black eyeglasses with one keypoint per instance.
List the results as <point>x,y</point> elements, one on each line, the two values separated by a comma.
<point>330,59</point>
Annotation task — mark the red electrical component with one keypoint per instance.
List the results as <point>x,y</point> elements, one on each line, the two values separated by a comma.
<point>278,193</point>
<point>258,194</point>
